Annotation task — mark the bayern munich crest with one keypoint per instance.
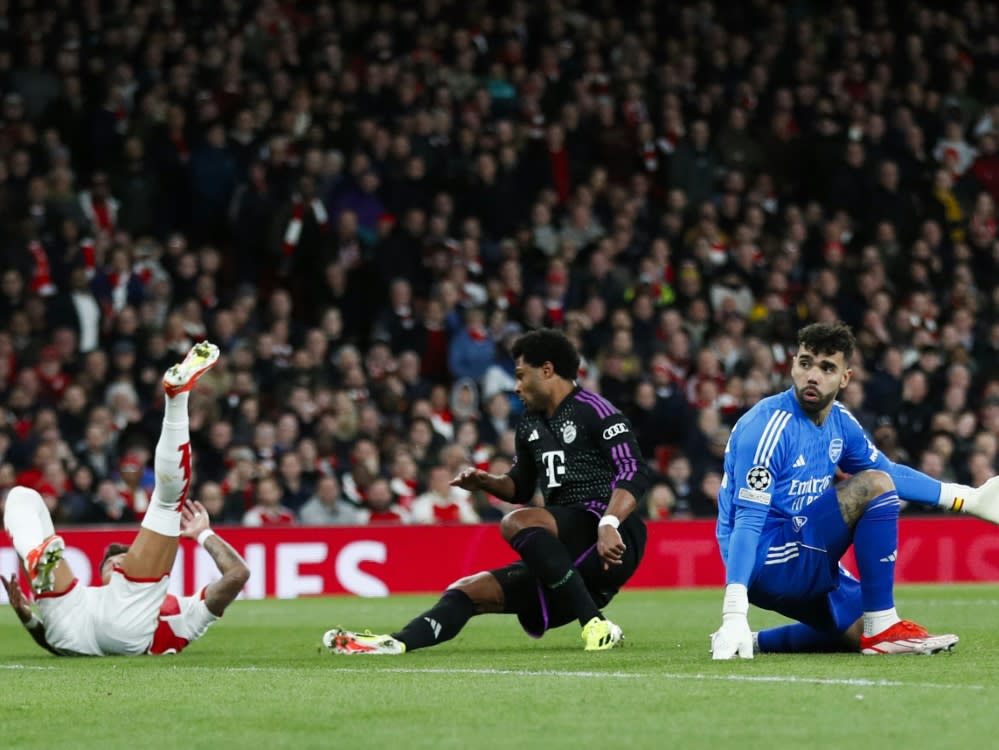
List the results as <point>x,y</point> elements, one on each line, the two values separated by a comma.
<point>568,433</point>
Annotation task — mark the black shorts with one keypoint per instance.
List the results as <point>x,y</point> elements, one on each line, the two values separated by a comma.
<point>525,596</point>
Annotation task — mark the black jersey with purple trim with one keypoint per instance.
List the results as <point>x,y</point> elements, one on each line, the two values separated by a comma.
<point>580,455</point>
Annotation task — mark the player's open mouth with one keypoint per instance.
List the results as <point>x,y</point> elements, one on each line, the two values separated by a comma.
<point>811,394</point>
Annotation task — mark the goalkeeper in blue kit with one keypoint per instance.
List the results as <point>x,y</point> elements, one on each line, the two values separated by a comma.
<point>783,525</point>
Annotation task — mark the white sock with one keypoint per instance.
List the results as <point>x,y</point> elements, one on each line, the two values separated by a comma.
<point>26,519</point>
<point>175,408</point>
<point>875,622</point>
<point>172,465</point>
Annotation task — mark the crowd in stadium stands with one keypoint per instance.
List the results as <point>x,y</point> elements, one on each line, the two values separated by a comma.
<point>364,203</point>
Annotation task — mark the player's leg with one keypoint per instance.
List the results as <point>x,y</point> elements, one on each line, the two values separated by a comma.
<point>553,543</point>
<point>800,576</point>
<point>469,596</point>
<point>835,623</point>
<point>152,554</point>
<point>477,594</point>
<point>29,525</point>
<point>535,535</point>
<point>798,638</point>
<point>870,504</point>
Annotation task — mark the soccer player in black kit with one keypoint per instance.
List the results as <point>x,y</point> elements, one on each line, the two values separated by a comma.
<point>580,548</point>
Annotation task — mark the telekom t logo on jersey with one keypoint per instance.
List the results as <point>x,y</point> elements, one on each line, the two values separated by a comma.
<point>554,466</point>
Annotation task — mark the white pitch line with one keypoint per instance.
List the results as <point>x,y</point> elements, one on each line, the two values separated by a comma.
<point>504,672</point>
<point>699,677</point>
<point>852,682</point>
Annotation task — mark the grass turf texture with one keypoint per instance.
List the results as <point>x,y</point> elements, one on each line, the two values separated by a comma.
<point>260,679</point>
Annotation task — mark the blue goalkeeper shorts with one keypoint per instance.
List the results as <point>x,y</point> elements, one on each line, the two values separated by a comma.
<point>797,569</point>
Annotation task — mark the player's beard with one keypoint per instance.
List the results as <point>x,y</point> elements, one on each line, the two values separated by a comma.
<point>812,407</point>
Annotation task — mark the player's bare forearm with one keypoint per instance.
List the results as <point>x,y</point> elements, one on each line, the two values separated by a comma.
<point>472,479</point>
<point>622,503</point>
<point>37,631</point>
<point>502,486</point>
<point>25,615</point>
<point>235,574</point>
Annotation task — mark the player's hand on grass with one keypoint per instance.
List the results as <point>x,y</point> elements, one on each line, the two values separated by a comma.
<point>734,636</point>
<point>610,546</point>
<point>471,479</point>
<point>16,597</point>
<point>193,519</point>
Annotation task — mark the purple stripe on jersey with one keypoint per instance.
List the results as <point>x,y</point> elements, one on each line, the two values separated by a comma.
<point>616,455</point>
<point>600,399</point>
<point>625,462</point>
<point>611,409</point>
<point>608,407</point>
<point>603,409</point>
<point>630,459</point>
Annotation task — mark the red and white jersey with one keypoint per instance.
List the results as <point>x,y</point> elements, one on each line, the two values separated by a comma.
<point>128,616</point>
<point>181,621</point>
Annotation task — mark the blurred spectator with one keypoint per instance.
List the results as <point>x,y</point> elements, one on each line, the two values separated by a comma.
<point>295,490</point>
<point>659,502</point>
<point>109,505</point>
<point>239,485</point>
<point>210,495</point>
<point>380,505</point>
<point>471,351</point>
<point>130,471</point>
<point>327,507</point>
<point>442,503</point>
<point>268,510</point>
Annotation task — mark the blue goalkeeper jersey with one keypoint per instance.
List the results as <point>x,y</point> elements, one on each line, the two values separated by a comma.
<point>778,461</point>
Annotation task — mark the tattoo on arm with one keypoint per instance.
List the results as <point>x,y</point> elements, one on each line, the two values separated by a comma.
<point>223,592</point>
<point>38,633</point>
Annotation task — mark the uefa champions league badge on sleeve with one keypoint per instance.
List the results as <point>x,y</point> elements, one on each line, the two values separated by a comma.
<point>758,480</point>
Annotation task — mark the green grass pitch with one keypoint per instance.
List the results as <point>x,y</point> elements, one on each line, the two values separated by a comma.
<point>260,680</point>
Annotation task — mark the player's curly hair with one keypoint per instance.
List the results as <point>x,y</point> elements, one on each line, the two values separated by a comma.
<point>828,338</point>
<point>548,345</point>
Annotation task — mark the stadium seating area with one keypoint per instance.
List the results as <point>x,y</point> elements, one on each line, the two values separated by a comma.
<point>364,204</point>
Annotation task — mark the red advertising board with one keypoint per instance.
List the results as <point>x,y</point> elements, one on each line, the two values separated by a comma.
<point>377,561</point>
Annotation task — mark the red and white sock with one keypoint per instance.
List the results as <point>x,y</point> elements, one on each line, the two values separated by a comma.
<point>26,519</point>
<point>172,464</point>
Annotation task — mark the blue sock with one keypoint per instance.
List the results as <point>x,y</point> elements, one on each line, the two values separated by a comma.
<point>875,544</point>
<point>798,638</point>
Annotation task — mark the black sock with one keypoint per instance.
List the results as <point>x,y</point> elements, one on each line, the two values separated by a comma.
<point>440,623</point>
<point>548,559</point>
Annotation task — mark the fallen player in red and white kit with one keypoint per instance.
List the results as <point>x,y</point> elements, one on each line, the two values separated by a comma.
<point>131,613</point>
